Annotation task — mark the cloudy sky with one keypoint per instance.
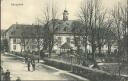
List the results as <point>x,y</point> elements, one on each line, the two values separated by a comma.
<point>26,13</point>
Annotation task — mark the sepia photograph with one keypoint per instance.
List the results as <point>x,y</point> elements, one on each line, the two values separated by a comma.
<point>64,40</point>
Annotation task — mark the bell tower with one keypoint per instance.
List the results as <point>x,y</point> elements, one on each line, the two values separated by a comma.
<point>65,15</point>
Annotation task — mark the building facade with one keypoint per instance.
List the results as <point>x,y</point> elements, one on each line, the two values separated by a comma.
<point>64,35</point>
<point>23,37</point>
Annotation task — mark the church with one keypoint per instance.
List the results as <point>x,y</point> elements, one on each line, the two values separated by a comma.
<point>64,39</point>
<point>63,36</point>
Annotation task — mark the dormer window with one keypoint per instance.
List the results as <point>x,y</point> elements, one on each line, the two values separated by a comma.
<point>59,40</point>
<point>67,23</point>
<point>68,40</point>
<point>65,29</point>
<point>56,29</point>
<point>17,27</point>
<point>13,33</point>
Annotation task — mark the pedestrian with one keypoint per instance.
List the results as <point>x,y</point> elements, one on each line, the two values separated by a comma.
<point>3,77</point>
<point>7,75</point>
<point>32,59</point>
<point>26,59</point>
<point>33,62</point>
<point>33,66</point>
<point>38,60</point>
<point>18,79</point>
<point>29,61</point>
<point>2,74</point>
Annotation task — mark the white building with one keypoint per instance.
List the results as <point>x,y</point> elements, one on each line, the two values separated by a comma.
<point>23,37</point>
<point>63,34</point>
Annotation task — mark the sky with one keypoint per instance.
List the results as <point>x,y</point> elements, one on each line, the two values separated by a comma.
<point>31,9</point>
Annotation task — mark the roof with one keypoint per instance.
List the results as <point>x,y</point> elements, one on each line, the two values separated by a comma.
<point>65,11</point>
<point>27,31</point>
<point>65,46</point>
<point>2,32</point>
<point>62,26</point>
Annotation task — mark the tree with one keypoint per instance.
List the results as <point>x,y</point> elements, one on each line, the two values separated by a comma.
<point>24,41</point>
<point>78,34</point>
<point>50,19</point>
<point>119,14</point>
<point>124,20</point>
<point>110,36</point>
<point>38,33</point>
<point>92,19</point>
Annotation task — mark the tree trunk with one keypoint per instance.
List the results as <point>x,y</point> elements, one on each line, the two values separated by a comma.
<point>99,48</point>
<point>93,53</point>
<point>109,49</point>
<point>85,46</point>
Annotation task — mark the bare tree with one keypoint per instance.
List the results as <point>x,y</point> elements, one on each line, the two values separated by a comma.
<point>92,18</point>
<point>24,41</point>
<point>110,36</point>
<point>119,14</point>
<point>78,35</point>
<point>124,22</point>
<point>83,15</point>
<point>38,33</point>
<point>50,18</point>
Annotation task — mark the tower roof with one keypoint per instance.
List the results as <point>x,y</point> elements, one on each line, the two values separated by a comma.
<point>65,10</point>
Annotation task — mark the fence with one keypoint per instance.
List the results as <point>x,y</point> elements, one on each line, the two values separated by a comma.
<point>91,74</point>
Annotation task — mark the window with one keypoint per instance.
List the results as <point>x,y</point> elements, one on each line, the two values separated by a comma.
<point>59,40</point>
<point>18,41</point>
<point>56,29</point>
<point>13,33</point>
<point>33,46</point>
<point>14,47</point>
<point>65,29</point>
<point>77,40</point>
<point>14,41</point>
<point>68,40</point>
<point>72,42</point>
<point>17,27</point>
<point>67,23</point>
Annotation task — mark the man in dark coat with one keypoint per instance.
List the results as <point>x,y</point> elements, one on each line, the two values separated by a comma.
<point>7,75</point>
<point>26,59</point>
<point>18,79</point>
<point>33,65</point>
<point>29,61</point>
<point>33,62</point>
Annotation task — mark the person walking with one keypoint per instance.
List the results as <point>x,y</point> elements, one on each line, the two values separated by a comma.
<point>33,65</point>
<point>7,76</point>
<point>32,59</point>
<point>2,73</point>
<point>29,61</point>
<point>26,59</point>
<point>18,79</point>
